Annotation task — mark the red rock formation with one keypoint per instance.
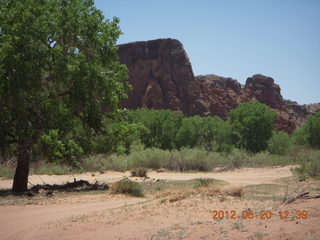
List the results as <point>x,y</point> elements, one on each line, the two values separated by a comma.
<point>216,96</point>
<point>161,76</point>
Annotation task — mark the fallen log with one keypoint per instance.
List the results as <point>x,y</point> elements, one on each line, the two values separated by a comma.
<point>312,196</point>
<point>288,200</point>
<point>304,195</point>
<point>75,186</point>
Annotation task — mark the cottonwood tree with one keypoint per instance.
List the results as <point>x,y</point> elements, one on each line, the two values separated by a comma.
<point>58,63</point>
<point>252,124</point>
<point>312,130</point>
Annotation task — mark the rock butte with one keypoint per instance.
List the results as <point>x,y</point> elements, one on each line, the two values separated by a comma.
<point>162,78</point>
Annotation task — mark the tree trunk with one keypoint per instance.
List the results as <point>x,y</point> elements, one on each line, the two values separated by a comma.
<point>20,181</point>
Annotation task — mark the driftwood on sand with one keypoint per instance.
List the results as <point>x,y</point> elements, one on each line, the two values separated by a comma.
<point>75,186</point>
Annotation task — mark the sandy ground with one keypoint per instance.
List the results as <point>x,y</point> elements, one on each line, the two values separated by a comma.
<point>245,176</point>
<point>105,216</point>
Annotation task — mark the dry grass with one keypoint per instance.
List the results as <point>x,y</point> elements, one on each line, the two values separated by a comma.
<point>207,191</point>
<point>233,190</point>
<point>139,172</point>
<point>126,186</point>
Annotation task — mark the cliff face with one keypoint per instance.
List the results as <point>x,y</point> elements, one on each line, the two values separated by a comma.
<point>162,78</point>
<point>160,74</point>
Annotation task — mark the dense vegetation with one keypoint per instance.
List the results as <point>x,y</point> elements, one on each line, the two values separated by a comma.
<point>60,88</point>
<point>152,139</point>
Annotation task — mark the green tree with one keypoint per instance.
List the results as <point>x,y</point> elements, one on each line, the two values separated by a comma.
<point>190,133</point>
<point>58,63</point>
<point>252,124</point>
<point>312,129</point>
<point>217,134</point>
<point>161,127</point>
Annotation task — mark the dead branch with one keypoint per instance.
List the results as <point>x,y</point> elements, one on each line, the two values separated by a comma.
<point>76,186</point>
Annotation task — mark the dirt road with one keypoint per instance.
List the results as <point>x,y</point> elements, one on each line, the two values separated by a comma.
<point>26,222</point>
<point>22,222</point>
<point>244,176</point>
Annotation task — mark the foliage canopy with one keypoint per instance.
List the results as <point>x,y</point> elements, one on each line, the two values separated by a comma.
<point>252,124</point>
<point>58,64</point>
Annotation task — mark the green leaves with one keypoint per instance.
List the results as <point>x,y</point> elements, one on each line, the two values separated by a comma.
<point>58,62</point>
<point>312,129</point>
<point>252,124</point>
<point>55,148</point>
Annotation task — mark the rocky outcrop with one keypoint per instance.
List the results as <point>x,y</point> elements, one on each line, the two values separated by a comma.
<point>219,95</point>
<point>160,74</point>
<point>216,95</point>
<point>162,78</point>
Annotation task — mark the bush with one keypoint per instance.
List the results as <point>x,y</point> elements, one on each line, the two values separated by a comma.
<point>234,191</point>
<point>310,167</point>
<point>280,143</point>
<point>153,158</point>
<point>190,159</point>
<point>94,163</point>
<point>139,172</point>
<point>45,168</point>
<point>236,159</point>
<point>203,182</point>
<point>126,186</point>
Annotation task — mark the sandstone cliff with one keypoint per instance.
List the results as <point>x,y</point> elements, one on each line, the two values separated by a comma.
<point>160,74</point>
<point>162,78</point>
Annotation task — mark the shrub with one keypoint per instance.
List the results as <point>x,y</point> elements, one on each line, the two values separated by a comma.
<point>237,158</point>
<point>51,169</point>
<point>279,143</point>
<point>94,163</point>
<point>310,167</point>
<point>126,186</point>
<point>153,158</point>
<point>234,191</point>
<point>190,159</point>
<point>139,172</point>
<point>203,182</point>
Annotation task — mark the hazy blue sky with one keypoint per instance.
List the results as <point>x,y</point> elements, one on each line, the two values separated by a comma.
<point>234,38</point>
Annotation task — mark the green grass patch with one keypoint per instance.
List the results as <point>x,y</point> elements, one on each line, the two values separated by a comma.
<point>265,192</point>
<point>154,187</point>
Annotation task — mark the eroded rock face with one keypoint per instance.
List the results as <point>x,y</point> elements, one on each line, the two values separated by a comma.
<point>216,96</point>
<point>160,74</point>
<point>162,78</point>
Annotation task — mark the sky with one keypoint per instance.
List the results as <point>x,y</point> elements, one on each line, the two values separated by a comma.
<point>234,38</point>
